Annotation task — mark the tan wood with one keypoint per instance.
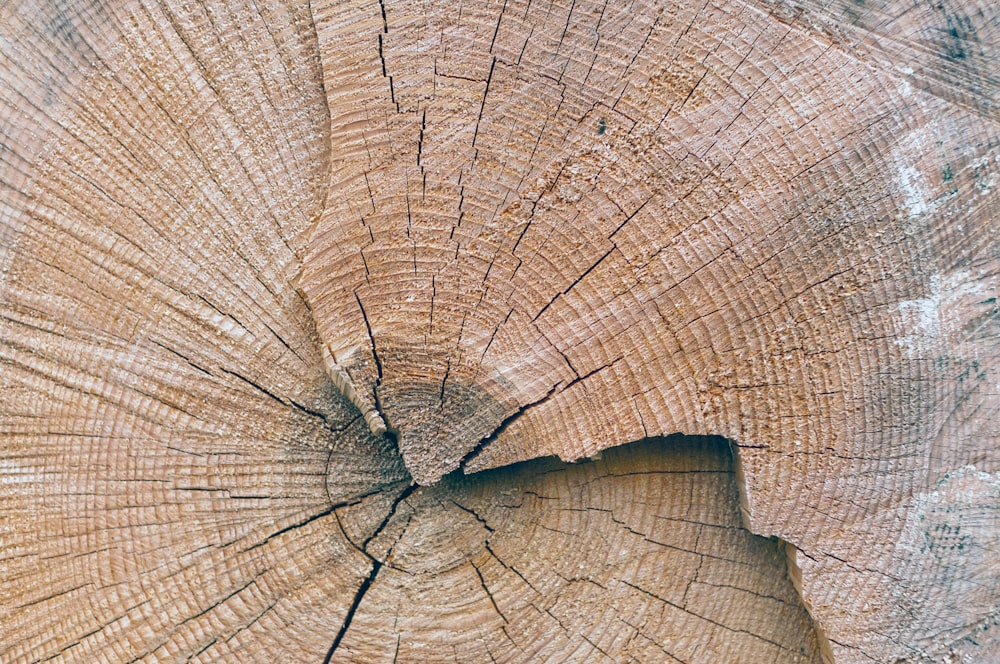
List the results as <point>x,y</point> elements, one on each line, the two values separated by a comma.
<point>262,263</point>
<point>637,557</point>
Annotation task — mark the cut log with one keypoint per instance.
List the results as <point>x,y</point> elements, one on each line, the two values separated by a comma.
<point>273,276</point>
<point>637,557</point>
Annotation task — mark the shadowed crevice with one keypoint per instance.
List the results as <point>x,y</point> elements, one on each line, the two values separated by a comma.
<point>549,533</point>
<point>366,584</point>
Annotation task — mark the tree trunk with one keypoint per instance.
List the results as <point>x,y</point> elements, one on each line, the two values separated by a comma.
<point>295,298</point>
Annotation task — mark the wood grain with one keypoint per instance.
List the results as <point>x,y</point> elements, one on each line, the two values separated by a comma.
<point>263,263</point>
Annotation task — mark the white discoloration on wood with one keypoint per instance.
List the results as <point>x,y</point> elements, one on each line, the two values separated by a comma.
<point>950,539</point>
<point>727,230</point>
<point>932,320</point>
<point>915,193</point>
<point>513,230</point>
<point>14,473</point>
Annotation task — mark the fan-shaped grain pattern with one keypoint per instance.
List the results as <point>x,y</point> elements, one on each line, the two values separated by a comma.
<point>543,228</point>
<point>637,557</point>
<point>563,226</point>
<point>167,427</point>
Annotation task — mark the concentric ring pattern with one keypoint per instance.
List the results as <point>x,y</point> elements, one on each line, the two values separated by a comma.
<point>294,298</point>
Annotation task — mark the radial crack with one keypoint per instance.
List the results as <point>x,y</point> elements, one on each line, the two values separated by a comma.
<point>366,584</point>
<point>482,582</point>
<point>360,595</point>
<point>377,421</point>
<point>474,452</point>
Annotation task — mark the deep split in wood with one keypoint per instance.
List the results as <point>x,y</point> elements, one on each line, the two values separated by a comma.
<point>263,263</point>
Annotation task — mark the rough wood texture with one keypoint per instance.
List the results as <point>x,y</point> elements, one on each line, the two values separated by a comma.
<point>637,557</point>
<point>262,263</point>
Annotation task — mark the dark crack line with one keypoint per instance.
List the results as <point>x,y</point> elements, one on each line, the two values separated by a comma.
<point>369,580</point>
<point>284,401</point>
<point>482,582</point>
<point>358,597</point>
<point>327,512</point>
<point>482,106</point>
<point>513,569</point>
<point>385,522</point>
<point>482,444</point>
<point>575,282</point>
<point>474,514</point>
<point>705,618</point>
<point>371,338</point>
<point>166,348</point>
<point>390,432</point>
<point>385,22</point>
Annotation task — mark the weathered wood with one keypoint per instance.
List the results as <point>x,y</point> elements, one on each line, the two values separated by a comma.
<point>555,228</point>
<point>262,263</point>
<point>637,557</point>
